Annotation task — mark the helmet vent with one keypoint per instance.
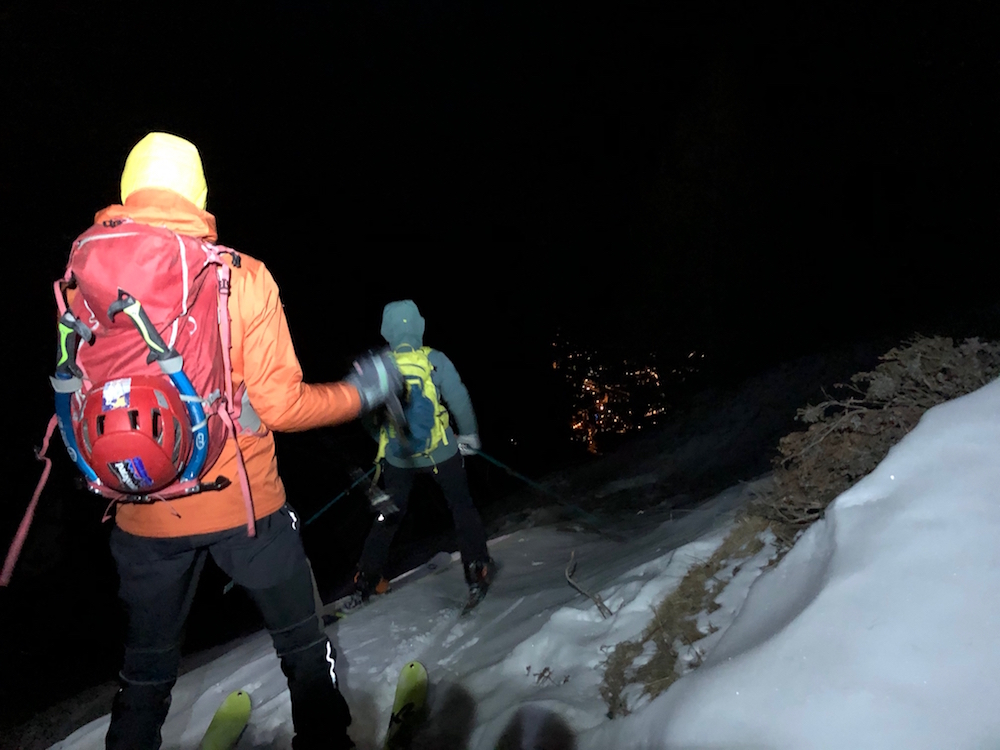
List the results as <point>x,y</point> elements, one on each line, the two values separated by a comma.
<point>133,418</point>
<point>100,425</point>
<point>157,426</point>
<point>177,442</point>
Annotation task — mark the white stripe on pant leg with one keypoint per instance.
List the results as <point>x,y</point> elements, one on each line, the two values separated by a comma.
<point>333,663</point>
<point>295,519</point>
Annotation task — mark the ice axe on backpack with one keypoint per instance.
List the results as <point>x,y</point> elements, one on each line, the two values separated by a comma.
<point>172,365</point>
<point>67,382</point>
<point>71,331</point>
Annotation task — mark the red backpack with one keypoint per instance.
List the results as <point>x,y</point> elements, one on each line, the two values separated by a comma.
<point>143,383</point>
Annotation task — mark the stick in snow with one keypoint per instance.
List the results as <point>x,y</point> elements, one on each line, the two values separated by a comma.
<point>570,570</point>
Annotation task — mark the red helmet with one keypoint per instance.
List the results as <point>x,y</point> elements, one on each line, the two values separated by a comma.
<point>135,433</point>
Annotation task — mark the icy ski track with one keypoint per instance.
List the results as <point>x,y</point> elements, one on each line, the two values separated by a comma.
<point>529,615</point>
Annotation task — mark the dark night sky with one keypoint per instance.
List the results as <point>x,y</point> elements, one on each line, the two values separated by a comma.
<point>754,179</point>
<point>733,176</point>
<point>723,168</point>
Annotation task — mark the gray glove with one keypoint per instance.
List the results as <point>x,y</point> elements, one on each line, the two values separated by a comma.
<point>468,445</point>
<point>376,378</point>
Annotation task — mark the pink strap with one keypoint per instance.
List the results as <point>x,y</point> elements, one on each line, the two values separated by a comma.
<point>241,469</point>
<point>29,514</point>
<point>225,276</point>
<point>225,333</point>
<point>60,298</point>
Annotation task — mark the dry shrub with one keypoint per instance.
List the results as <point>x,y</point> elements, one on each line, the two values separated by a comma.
<point>675,620</point>
<point>848,437</point>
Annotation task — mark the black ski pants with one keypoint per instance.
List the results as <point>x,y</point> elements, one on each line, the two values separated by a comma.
<point>451,478</point>
<point>158,581</point>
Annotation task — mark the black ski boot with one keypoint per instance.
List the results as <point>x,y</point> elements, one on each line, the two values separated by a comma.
<point>365,587</point>
<point>479,575</point>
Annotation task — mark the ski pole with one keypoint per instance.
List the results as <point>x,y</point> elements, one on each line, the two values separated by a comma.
<point>523,478</point>
<point>589,517</point>
<point>354,484</point>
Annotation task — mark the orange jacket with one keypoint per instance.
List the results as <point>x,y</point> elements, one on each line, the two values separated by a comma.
<point>262,357</point>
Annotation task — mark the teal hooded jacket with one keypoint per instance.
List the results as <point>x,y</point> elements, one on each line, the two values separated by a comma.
<point>403,324</point>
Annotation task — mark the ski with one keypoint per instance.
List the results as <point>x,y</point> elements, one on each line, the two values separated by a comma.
<point>228,723</point>
<point>409,708</point>
<point>436,564</point>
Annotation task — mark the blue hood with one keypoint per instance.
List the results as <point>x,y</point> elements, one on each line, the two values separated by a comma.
<point>402,324</point>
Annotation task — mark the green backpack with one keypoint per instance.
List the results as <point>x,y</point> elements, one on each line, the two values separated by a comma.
<point>426,417</point>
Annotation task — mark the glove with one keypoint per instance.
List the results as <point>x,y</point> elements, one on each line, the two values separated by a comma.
<point>376,378</point>
<point>468,445</point>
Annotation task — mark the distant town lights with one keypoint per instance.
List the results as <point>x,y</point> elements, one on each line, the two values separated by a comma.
<point>619,396</point>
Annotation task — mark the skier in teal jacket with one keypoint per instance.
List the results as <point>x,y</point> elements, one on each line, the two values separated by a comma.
<point>457,436</point>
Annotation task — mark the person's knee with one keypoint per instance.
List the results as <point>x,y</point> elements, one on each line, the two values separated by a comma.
<point>288,608</point>
<point>151,665</point>
<point>313,663</point>
<point>298,637</point>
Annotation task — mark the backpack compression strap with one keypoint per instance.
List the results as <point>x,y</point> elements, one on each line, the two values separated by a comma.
<point>225,277</point>
<point>29,514</point>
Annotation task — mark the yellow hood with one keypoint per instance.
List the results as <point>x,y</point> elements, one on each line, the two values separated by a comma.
<point>161,160</point>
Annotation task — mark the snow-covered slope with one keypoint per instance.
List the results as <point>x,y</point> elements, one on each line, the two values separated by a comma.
<point>877,630</point>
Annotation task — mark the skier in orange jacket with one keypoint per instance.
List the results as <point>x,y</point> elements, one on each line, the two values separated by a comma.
<point>161,547</point>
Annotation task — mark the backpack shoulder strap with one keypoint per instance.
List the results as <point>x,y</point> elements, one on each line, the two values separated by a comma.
<point>230,412</point>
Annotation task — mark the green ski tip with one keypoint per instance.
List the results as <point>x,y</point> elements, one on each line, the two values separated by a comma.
<point>228,723</point>
<point>409,706</point>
